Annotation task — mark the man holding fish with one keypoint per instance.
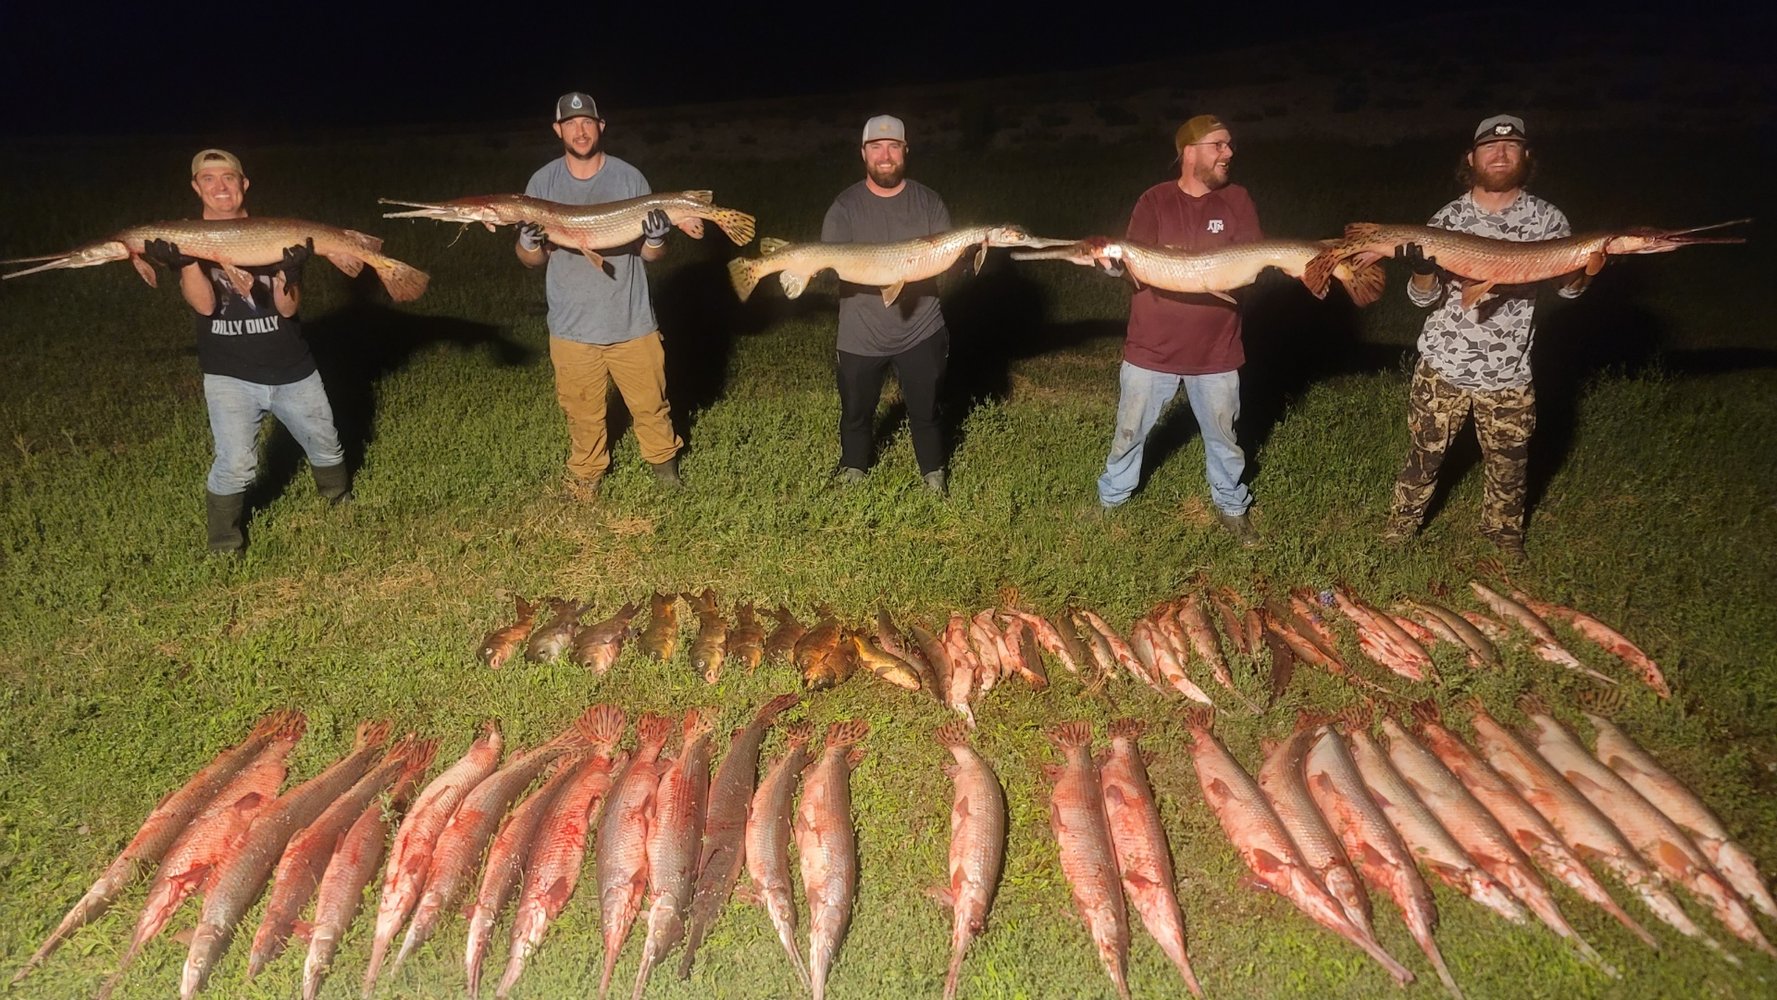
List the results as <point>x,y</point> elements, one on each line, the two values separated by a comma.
<point>1187,341</point>
<point>601,320</point>
<point>1476,358</point>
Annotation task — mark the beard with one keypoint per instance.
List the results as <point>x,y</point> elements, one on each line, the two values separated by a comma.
<point>1497,183</point>
<point>1211,177</point>
<point>591,151</point>
<point>886,175</point>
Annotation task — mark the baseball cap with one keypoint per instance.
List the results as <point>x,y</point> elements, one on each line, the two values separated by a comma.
<point>575,105</point>
<point>216,158</point>
<point>1195,129</point>
<point>1500,127</point>
<point>885,127</point>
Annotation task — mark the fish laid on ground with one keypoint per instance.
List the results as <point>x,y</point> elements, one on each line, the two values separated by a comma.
<point>236,244</point>
<point>1098,650</point>
<point>1546,644</point>
<point>889,266</point>
<point>1482,262</point>
<point>596,646</point>
<point>989,644</point>
<point>1605,637</point>
<point>507,857</point>
<point>1118,647</point>
<point>162,827</point>
<point>913,654</point>
<point>587,228</point>
<point>725,825</point>
<point>880,662</point>
<point>503,642</point>
<point>977,845</point>
<point>1481,836</point>
<point>1203,639</point>
<point>1156,648</point>
<point>405,873</point>
<point>1463,631</point>
<point>305,858</point>
<point>1067,651</point>
<point>661,637</point>
<point>1645,774</point>
<point>558,850</point>
<point>710,647</point>
<point>1586,830</point>
<point>827,846</point>
<point>767,841</point>
<point>205,843</point>
<point>1088,858</point>
<point>675,833</point>
<point>353,866</point>
<point>959,690</point>
<point>1233,625</point>
<point>1265,845</point>
<point>746,640</point>
<point>1383,640</point>
<point>1144,860</point>
<point>1283,779</point>
<point>1221,270</point>
<point>236,883</point>
<point>820,658</point>
<point>464,839</point>
<point>553,637</point>
<point>1013,630</point>
<point>1533,834</point>
<point>780,646</point>
<point>1644,826</point>
<point>932,650</point>
<point>1433,845</point>
<point>621,851</point>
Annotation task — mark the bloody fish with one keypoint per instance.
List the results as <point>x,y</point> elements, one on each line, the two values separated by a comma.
<point>506,640</point>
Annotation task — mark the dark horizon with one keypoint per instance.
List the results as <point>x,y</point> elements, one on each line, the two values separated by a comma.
<point>136,70</point>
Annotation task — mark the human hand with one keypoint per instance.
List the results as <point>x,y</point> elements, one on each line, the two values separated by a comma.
<point>290,268</point>
<point>655,226</point>
<point>166,254</point>
<point>1413,255</point>
<point>531,237</point>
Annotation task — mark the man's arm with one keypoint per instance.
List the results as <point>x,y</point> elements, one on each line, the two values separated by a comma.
<point>836,227</point>
<point>1559,229</point>
<point>1144,224</point>
<point>199,294</point>
<point>1425,288</point>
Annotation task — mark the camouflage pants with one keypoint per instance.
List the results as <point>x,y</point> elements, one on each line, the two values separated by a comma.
<point>1504,419</point>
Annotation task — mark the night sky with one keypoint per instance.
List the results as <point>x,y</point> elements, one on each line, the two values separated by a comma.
<point>268,68</point>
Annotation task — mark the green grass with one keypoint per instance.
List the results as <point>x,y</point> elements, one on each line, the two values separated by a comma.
<point>127,658</point>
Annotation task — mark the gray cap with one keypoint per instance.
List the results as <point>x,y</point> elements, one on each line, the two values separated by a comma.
<point>575,105</point>
<point>1501,127</point>
<point>885,127</point>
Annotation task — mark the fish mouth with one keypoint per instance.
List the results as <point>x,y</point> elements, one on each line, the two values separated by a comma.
<point>440,212</point>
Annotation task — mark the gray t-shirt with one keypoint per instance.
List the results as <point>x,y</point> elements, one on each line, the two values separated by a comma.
<point>866,326</point>
<point>1487,347</point>
<point>587,305</point>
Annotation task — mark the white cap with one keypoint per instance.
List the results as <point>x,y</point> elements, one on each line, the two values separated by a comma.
<point>885,127</point>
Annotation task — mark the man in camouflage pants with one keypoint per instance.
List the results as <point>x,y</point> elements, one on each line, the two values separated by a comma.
<point>1478,360</point>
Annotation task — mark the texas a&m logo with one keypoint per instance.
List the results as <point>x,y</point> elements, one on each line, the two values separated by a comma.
<point>1215,225</point>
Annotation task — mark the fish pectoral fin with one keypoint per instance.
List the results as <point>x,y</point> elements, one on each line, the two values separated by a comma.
<point>185,935</point>
<point>1594,262</point>
<point>1473,291</point>
<point>980,256</point>
<point>794,284</point>
<point>241,280</point>
<point>598,260</point>
<point>692,227</point>
<point>145,270</point>
<point>1252,883</point>
<point>302,930</point>
<point>1225,297</point>
<point>558,894</point>
<point>943,895</point>
<point>891,292</point>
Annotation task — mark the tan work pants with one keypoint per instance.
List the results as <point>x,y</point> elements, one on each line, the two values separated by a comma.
<point>583,373</point>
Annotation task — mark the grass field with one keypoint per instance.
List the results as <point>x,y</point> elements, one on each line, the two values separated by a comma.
<point>127,657</point>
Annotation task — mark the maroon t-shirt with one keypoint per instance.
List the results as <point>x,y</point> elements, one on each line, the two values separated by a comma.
<point>1188,334</point>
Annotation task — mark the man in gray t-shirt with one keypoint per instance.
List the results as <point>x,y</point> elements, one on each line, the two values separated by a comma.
<point>601,321</point>
<point>909,335</point>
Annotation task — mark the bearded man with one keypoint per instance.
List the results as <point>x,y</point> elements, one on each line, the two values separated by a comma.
<point>1187,341</point>
<point>601,323</point>
<point>1477,360</point>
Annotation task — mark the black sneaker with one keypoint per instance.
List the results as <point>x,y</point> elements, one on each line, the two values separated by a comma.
<point>1241,527</point>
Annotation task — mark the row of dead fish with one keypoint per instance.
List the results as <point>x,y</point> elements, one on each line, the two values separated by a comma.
<point>1332,804</point>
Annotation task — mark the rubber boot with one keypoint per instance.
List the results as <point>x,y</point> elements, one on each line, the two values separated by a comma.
<point>668,472</point>
<point>223,515</point>
<point>333,482</point>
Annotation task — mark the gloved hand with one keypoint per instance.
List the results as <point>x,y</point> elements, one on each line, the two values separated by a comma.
<point>530,236</point>
<point>291,266</point>
<point>655,226</point>
<point>166,254</point>
<point>1414,257</point>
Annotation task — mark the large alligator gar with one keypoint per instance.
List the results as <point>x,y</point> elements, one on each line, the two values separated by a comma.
<point>1220,271</point>
<point>236,244</point>
<point>586,228</point>
<point>889,266</point>
<point>1483,262</point>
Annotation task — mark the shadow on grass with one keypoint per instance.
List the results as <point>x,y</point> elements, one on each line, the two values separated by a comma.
<point>700,318</point>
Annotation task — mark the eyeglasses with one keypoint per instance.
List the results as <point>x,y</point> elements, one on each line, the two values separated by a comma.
<point>1227,144</point>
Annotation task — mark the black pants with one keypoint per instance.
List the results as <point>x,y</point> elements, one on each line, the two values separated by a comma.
<point>920,370</point>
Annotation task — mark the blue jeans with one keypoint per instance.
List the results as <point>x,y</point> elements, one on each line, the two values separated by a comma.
<point>1215,402</point>
<point>236,409</point>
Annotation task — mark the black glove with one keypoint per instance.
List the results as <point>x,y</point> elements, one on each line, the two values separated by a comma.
<point>655,226</point>
<point>291,266</point>
<point>166,255</point>
<point>1412,255</point>
<point>531,236</point>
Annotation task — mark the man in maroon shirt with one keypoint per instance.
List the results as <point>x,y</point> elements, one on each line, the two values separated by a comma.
<point>1188,341</point>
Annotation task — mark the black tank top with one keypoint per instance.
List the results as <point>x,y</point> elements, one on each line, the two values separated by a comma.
<point>248,339</point>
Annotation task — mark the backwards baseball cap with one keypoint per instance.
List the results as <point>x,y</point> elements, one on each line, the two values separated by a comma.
<point>1195,129</point>
<point>885,127</point>
<point>1500,127</point>
<point>216,158</point>
<point>575,105</point>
